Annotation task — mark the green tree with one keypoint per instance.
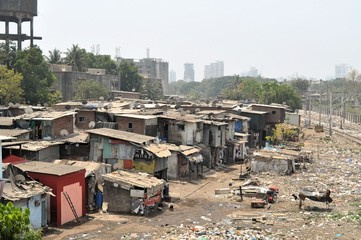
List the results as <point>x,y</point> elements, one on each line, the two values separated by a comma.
<point>152,89</point>
<point>38,81</point>
<point>54,56</point>
<point>76,57</point>
<point>15,224</point>
<point>10,82</point>
<point>300,85</point>
<point>274,92</point>
<point>90,89</point>
<point>101,61</point>
<point>8,54</point>
<point>129,77</point>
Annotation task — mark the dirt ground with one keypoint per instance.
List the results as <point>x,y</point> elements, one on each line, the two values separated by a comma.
<point>224,216</point>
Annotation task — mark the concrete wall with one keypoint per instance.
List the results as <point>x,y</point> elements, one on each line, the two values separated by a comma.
<point>293,118</point>
<point>118,199</point>
<point>67,81</point>
<point>173,166</point>
<point>274,166</point>
<point>49,154</point>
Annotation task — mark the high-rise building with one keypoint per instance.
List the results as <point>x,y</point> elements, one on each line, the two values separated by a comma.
<point>341,70</point>
<point>214,70</point>
<point>154,68</point>
<point>188,72</point>
<point>172,76</point>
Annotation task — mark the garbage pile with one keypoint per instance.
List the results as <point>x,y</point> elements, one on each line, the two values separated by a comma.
<point>217,232</point>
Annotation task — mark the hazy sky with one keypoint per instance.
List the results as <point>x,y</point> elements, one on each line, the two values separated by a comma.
<point>278,37</point>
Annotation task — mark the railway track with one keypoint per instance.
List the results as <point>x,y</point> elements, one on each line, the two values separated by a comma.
<point>345,135</point>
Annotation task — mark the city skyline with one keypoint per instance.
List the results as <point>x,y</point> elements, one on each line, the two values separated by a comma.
<point>279,38</point>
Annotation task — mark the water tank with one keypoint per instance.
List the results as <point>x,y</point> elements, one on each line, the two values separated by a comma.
<point>98,200</point>
<point>12,10</point>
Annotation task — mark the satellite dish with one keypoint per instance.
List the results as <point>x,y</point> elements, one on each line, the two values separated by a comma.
<point>17,105</point>
<point>64,132</point>
<point>19,178</point>
<point>28,110</point>
<point>100,105</point>
<point>84,102</point>
<point>91,124</point>
<point>197,110</point>
<point>101,98</point>
<point>67,107</point>
<point>11,104</point>
<point>39,105</point>
<point>239,111</point>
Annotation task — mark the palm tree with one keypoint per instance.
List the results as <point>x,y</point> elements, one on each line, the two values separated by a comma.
<point>55,57</point>
<point>75,57</point>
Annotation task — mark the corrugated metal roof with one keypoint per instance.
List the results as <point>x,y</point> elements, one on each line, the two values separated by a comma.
<point>190,151</point>
<point>128,180</point>
<point>89,166</point>
<point>48,168</point>
<point>215,123</point>
<point>6,138</point>
<point>6,121</point>
<point>36,145</point>
<point>81,137</point>
<point>13,132</point>
<point>160,150</point>
<point>122,135</point>
<point>136,116</point>
<point>44,115</point>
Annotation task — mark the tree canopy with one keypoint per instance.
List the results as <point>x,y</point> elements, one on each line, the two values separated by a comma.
<point>38,81</point>
<point>90,89</point>
<point>129,77</point>
<point>15,224</point>
<point>55,57</point>
<point>10,82</point>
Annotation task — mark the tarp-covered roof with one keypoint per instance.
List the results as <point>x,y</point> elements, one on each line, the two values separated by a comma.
<point>129,180</point>
<point>122,135</point>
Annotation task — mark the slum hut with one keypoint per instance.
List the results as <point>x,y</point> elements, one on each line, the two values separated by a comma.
<point>25,192</point>
<point>214,137</point>
<point>47,125</point>
<point>236,151</point>
<point>66,181</point>
<point>273,162</point>
<point>180,129</point>
<point>116,147</point>
<point>75,147</point>
<point>185,162</point>
<point>141,124</point>
<point>93,179</point>
<point>132,192</point>
<point>257,126</point>
<point>45,151</point>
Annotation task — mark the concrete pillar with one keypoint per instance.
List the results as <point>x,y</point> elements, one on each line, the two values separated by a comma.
<point>7,32</point>
<point>19,33</point>
<point>31,32</point>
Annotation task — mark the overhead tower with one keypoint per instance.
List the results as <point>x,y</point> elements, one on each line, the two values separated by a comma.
<point>18,11</point>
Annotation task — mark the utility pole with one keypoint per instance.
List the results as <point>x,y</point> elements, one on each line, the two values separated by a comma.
<point>309,109</point>
<point>341,111</point>
<point>319,110</point>
<point>331,111</point>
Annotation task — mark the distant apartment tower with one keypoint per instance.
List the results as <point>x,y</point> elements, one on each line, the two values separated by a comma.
<point>341,70</point>
<point>188,72</point>
<point>172,76</point>
<point>154,69</point>
<point>214,70</point>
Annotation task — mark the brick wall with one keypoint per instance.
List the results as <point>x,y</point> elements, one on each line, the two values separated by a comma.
<point>65,122</point>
